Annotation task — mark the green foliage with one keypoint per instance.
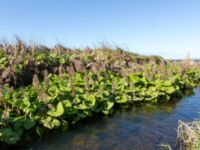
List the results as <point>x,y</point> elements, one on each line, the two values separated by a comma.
<point>56,106</point>
<point>81,85</point>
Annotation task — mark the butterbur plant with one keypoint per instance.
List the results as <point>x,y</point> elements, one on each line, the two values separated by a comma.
<point>46,78</point>
<point>60,70</point>
<point>36,81</point>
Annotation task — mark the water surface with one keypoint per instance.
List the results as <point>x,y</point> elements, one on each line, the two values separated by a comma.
<point>139,128</point>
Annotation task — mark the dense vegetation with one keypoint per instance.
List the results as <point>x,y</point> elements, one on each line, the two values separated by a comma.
<point>43,89</point>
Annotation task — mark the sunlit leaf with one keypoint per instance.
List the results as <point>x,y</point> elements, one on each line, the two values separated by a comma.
<point>56,112</point>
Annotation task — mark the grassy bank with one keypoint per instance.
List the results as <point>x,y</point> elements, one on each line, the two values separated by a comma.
<point>43,89</point>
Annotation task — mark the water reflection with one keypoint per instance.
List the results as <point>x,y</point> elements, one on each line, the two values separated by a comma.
<point>139,128</point>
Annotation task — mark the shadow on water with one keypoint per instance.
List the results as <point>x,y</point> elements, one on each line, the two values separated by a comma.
<point>139,128</point>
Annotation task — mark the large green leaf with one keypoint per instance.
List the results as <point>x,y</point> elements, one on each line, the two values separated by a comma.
<point>137,98</point>
<point>10,136</point>
<point>91,100</point>
<point>79,90</point>
<point>6,93</point>
<point>170,90</point>
<point>138,79</point>
<point>122,99</point>
<point>50,122</point>
<point>28,124</point>
<point>67,104</point>
<point>168,83</point>
<point>81,106</point>
<point>109,105</point>
<point>58,111</point>
<point>53,91</point>
<point>21,121</point>
<point>55,123</point>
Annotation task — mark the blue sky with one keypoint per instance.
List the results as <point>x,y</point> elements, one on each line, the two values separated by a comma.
<point>169,28</point>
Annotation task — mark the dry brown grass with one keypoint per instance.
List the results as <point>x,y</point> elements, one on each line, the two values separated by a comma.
<point>188,135</point>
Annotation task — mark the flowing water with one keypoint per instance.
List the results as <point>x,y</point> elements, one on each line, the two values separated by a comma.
<point>139,128</point>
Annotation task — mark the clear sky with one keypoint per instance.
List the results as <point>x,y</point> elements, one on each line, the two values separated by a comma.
<point>169,28</point>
